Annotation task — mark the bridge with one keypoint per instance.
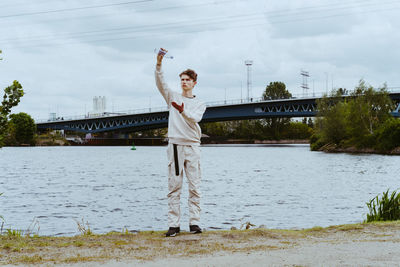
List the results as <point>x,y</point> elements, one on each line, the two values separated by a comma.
<point>146,119</point>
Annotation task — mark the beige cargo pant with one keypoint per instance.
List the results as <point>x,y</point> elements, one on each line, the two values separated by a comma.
<point>183,157</point>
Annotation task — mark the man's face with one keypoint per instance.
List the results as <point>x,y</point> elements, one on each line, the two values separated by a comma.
<point>187,83</point>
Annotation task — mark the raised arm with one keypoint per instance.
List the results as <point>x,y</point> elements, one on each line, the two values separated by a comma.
<point>159,75</point>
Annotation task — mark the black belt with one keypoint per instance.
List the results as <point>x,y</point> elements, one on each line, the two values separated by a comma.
<point>176,159</point>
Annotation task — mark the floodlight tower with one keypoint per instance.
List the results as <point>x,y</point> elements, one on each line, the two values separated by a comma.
<point>304,85</point>
<point>248,63</point>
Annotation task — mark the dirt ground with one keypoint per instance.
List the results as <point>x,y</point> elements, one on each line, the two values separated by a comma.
<point>372,244</point>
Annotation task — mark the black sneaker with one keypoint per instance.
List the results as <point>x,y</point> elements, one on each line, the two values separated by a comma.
<point>172,231</point>
<point>195,229</point>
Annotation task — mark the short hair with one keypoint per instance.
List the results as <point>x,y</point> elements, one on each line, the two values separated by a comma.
<point>191,73</point>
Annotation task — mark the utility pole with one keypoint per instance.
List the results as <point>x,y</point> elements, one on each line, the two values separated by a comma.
<point>313,88</point>
<point>241,94</point>
<point>304,85</point>
<point>248,63</point>
<point>225,95</point>
<point>326,74</point>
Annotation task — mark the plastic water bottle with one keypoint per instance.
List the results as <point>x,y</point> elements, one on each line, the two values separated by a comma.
<point>156,51</point>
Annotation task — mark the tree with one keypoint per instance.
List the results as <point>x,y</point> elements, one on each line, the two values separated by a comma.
<point>368,109</point>
<point>310,123</point>
<point>353,121</point>
<point>275,126</point>
<point>9,137</point>
<point>388,135</point>
<point>276,90</point>
<point>297,130</point>
<point>11,98</point>
<point>330,124</point>
<point>215,129</point>
<point>248,129</point>
<point>25,128</point>
<point>342,91</point>
<point>334,124</point>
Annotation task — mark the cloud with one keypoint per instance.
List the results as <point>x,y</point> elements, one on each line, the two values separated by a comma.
<point>64,59</point>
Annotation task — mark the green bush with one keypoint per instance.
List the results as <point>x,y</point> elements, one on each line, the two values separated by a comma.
<point>387,208</point>
<point>314,138</point>
<point>24,128</point>
<point>366,141</point>
<point>361,121</point>
<point>297,130</point>
<point>388,135</point>
<point>316,142</point>
<point>317,145</point>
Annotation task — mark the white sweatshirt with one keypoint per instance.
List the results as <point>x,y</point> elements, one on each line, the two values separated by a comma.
<point>183,128</point>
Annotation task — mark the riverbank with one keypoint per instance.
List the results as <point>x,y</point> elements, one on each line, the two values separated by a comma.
<point>207,141</point>
<point>157,141</point>
<point>373,244</point>
<point>332,148</point>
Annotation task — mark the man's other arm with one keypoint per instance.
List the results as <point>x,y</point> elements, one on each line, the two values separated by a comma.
<point>194,115</point>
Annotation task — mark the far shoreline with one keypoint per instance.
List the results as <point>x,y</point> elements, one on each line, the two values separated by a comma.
<point>161,141</point>
<point>332,148</point>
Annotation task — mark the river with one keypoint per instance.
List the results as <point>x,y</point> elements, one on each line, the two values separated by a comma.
<point>115,188</point>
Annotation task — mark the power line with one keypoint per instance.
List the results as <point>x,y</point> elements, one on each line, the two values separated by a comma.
<point>208,3</point>
<point>178,25</point>
<point>149,33</point>
<point>73,9</point>
<point>186,32</point>
<point>23,4</point>
<point>119,12</point>
<point>164,25</point>
<point>77,34</point>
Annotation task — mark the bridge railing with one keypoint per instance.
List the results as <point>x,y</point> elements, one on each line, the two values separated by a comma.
<point>259,99</point>
<point>208,104</point>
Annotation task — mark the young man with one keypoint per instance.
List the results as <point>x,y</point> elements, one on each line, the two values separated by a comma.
<point>185,111</point>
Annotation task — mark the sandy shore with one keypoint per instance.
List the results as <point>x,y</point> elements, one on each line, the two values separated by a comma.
<point>373,244</point>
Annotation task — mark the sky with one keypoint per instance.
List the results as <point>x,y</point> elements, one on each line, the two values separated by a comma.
<point>65,52</point>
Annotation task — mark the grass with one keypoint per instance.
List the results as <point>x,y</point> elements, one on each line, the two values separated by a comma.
<point>150,245</point>
<point>79,258</point>
<point>13,233</point>
<point>384,208</point>
<point>84,228</point>
<point>31,259</point>
<point>144,246</point>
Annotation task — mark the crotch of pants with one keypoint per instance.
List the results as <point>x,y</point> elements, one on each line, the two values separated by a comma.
<point>183,158</point>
